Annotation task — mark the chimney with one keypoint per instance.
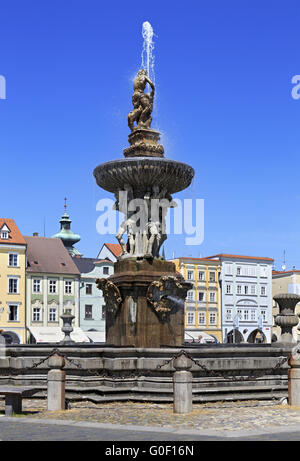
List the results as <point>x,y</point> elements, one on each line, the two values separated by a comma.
<point>35,234</point>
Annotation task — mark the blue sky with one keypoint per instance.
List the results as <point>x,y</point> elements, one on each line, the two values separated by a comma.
<point>223,75</point>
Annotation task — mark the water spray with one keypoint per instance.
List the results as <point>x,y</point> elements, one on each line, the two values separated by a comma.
<point>148,47</point>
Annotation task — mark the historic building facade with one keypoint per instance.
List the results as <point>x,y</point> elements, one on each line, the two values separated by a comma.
<point>12,282</point>
<point>246,286</point>
<point>92,304</point>
<point>52,286</point>
<point>203,303</point>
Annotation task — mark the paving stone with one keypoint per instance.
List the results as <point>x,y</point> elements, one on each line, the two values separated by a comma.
<point>229,416</point>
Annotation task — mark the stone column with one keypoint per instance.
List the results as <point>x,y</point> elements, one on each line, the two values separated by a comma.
<point>56,383</point>
<point>287,318</point>
<point>182,384</point>
<point>294,380</point>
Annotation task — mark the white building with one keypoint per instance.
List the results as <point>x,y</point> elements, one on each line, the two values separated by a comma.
<point>246,285</point>
<point>110,251</point>
<point>92,304</point>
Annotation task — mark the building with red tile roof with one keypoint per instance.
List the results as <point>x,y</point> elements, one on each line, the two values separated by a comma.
<point>110,251</point>
<point>12,282</point>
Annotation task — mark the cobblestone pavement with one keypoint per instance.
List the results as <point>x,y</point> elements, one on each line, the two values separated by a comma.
<point>219,416</point>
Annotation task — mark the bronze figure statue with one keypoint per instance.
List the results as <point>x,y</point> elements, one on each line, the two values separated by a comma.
<point>142,102</point>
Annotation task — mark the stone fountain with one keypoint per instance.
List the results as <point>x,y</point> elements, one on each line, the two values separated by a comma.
<point>145,296</point>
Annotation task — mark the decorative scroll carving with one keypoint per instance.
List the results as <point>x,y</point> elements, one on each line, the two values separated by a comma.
<point>111,295</point>
<point>166,294</point>
<point>141,148</point>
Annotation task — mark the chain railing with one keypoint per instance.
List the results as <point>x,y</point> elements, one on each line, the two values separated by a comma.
<point>134,373</point>
<point>251,377</point>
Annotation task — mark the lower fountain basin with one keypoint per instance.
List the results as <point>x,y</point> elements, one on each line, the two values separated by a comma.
<point>140,172</point>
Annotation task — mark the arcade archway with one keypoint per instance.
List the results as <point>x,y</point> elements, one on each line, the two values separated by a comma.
<point>235,336</point>
<point>257,337</point>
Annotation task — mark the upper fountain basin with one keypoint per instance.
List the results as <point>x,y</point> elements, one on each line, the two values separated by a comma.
<point>141,172</point>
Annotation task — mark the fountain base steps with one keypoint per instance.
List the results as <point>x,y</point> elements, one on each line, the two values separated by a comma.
<point>98,395</point>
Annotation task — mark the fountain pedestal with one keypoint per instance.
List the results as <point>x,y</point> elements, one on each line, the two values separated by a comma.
<point>144,304</point>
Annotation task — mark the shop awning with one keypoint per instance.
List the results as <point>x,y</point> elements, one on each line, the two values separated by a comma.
<point>55,335</point>
<point>198,337</point>
<point>96,336</point>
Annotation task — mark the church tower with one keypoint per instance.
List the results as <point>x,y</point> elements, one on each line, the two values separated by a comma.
<point>67,235</point>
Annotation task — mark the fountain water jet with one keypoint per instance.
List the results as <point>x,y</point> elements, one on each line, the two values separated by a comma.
<point>148,47</point>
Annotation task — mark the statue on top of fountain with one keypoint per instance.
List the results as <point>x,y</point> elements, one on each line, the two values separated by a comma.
<point>142,102</point>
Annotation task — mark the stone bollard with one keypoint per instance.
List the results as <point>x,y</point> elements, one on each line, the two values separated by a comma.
<point>294,380</point>
<point>56,383</point>
<point>182,384</point>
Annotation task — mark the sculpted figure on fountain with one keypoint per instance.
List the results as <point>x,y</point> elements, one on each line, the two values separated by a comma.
<point>145,229</point>
<point>142,102</point>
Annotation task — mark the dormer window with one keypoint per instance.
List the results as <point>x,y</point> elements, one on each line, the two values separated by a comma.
<point>4,232</point>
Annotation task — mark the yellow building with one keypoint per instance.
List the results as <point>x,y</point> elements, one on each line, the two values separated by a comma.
<point>203,303</point>
<point>285,282</point>
<point>12,282</point>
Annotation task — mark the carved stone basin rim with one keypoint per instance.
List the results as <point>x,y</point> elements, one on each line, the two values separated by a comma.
<point>286,296</point>
<point>144,171</point>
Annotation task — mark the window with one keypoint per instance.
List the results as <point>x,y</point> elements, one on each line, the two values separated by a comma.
<point>36,314</point>
<point>4,235</point>
<point>263,271</point>
<point>13,313</point>
<point>201,296</point>
<point>190,295</point>
<point>88,312</point>
<point>228,268</point>
<point>13,260</point>
<point>212,277</point>
<point>212,297</point>
<point>246,289</point>
<point>52,286</point>
<point>190,318</point>
<point>239,289</point>
<point>52,314</point>
<point>36,285</point>
<point>263,313</point>
<point>228,289</point>
<point>253,314</point>
<point>201,275</point>
<point>190,275</point>
<point>88,289</point>
<point>253,289</point>
<point>238,271</point>
<point>246,314</point>
<point>13,285</point>
<point>239,313</point>
<point>263,290</point>
<point>68,287</point>
<point>228,314</point>
<point>201,318</point>
<point>212,318</point>
<point>105,270</point>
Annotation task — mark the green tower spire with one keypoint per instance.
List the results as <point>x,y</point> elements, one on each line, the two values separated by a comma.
<point>66,234</point>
